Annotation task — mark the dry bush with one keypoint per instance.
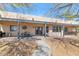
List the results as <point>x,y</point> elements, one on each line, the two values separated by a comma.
<point>14,48</point>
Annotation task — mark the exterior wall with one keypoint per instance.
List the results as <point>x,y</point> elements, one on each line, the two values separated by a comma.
<point>6,28</point>
<point>54,34</point>
<point>60,34</point>
<point>71,28</point>
<point>30,27</point>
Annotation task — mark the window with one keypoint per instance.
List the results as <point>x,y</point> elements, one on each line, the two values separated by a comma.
<point>77,29</point>
<point>47,29</point>
<point>66,29</point>
<point>24,27</point>
<point>56,28</point>
<point>13,28</point>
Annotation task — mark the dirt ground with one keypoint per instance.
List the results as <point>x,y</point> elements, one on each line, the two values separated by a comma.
<point>63,47</point>
<point>17,48</point>
<point>57,47</point>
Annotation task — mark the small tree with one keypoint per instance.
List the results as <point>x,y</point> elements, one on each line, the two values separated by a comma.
<point>16,5</point>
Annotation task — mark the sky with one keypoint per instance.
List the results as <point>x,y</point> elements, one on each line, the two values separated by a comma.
<point>38,9</point>
<point>41,9</point>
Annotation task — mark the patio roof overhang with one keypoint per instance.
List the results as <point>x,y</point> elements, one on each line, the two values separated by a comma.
<point>21,20</point>
<point>11,16</point>
<point>41,22</point>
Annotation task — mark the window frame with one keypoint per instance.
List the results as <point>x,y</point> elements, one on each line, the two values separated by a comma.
<point>12,26</point>
<point>57,28</point>
<point>24,27</point>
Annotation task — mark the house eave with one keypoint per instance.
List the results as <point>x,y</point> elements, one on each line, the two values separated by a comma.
<point>21,20</point>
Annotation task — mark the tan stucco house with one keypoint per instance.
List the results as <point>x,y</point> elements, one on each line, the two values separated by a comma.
<point>35,25</point>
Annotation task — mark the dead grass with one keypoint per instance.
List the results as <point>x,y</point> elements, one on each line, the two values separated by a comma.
<point>14,48</point>
<point>63,47</point>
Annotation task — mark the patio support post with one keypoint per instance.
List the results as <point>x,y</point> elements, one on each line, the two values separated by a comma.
<point>18,29</point>
<point>45,30</point>
<point>76,29</point>
<point>62,31</point>
<point>63,28</point>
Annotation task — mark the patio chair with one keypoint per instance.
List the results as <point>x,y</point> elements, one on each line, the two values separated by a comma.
<point>8,34</point>
<point>26,34</point>
<point>2,34</point>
